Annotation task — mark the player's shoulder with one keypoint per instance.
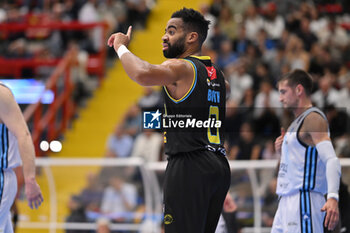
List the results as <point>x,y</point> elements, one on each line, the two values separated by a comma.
<point>175,62</point>
<point>5,90</point>
<point>315,121</point>
<point>6,95</point>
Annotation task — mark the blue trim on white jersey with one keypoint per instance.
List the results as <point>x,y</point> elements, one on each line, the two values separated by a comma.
<point>307,169</point>
<point>4,135</point>
<point>2,184</point>
<point>310,168</point>
<point>313,168</point>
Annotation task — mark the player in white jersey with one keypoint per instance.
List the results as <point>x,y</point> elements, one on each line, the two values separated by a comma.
<point>16,148</point>
<point>309,168</point>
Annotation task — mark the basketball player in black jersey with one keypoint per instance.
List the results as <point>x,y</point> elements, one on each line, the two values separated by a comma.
<point>197,177</point>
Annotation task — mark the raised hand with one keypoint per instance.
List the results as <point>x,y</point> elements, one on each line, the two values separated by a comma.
<point>119,38</point>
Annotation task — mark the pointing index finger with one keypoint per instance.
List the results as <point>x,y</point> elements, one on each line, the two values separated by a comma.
<point>128,34</point>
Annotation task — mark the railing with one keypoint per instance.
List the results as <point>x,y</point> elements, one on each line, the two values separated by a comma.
<point>96,62</point>
<point>152,187</point>
<point>46,119</point>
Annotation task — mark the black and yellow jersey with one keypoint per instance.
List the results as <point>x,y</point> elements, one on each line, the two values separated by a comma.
<point>196,121</point>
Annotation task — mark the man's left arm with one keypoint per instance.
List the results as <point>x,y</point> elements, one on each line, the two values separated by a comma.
<point>317,127</point>
<point>11,115</point>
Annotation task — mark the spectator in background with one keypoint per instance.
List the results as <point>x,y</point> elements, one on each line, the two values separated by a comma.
<point>252,57</point>
<point>246,106</point>
<point>137,13</point>
<point>19,49</point>
<point>239,81</point>
<point>227,24</point>
<point>89,14</point>
<point>228,222</point>
<point>217,38</point>
<point>239,7</point>
<point>344,96</point>
<point>276,61</point>
<point>319,59</point>
<point>148,145</point>
<point>266,175</point>
<point>131,121</point>
<point>334,37</point>
<point>37,5</point>
<point>119,144</point>
<point>216,6</point>
<point>338,120</point>
<point>103,225</point>
<point>55,41</point>
<point>2,12</point>
<point>264,43</point>
<point>115,13</point>
<point>318,23</point>
<point>296,55</point>
<point>253,23</point>
<point>247,147</point>
<point>119,198</point>
<point>77,214</point>
<point>326,95</point>
<point>71,9</point>
<point>241,42</point>
<point>273,23</point>
<point>91,195</point>
<point>305,34</point>
<point>226,56</point>
<point>270,203</point>
<point>267,110</point>
<point>260,74</point>
<point>204,8</point>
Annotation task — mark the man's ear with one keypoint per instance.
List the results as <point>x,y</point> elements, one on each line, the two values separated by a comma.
<point>192,37</point>
<point>299,89</point>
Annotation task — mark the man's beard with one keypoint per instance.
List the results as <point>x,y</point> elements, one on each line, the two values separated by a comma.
<point>176,49</point>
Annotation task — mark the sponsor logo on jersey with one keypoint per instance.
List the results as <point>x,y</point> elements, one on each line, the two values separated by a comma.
<point>213,96</point>
<point>211,72</point>
<point>212,84</point>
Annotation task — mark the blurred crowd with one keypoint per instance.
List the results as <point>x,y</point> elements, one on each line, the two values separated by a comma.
<point>118,14</point>
<point>49,43</point>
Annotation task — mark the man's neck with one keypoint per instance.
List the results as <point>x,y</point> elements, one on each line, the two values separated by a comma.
<point>190,52</point>
<point>302,106</point>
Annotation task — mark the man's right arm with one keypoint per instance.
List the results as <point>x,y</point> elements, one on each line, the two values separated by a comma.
<point>143,72</point>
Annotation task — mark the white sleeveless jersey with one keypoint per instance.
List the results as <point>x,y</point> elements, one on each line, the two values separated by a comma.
<point>300,166</point>
<point>9,153</point>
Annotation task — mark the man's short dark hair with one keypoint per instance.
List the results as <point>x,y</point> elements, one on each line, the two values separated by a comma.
<point>193,22</point>
<point>301,77</point>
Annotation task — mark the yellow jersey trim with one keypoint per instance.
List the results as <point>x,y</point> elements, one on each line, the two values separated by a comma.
<point>202,57</point>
